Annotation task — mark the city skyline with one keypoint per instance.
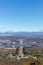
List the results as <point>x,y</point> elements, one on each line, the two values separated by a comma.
<point>21,15</point>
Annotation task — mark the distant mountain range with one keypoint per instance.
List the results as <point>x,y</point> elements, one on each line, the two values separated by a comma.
<point>28,34</point>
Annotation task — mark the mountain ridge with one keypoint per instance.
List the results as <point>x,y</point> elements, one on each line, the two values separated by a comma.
<point>21,34</point>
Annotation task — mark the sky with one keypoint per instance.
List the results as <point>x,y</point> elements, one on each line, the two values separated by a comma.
<point>21,15</point>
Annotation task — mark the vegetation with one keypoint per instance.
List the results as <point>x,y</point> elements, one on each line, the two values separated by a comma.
<point>30,61</point>
<point>34,57</point>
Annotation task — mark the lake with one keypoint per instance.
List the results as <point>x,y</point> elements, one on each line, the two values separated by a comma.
<point>27,45</point>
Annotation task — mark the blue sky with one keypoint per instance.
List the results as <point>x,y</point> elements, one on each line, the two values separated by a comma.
<point>21,15</point>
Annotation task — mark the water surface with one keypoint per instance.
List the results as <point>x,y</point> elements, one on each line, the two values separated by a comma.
<point>27,45</point>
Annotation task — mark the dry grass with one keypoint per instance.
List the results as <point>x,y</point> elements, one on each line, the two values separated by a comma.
<point>7,61</point>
